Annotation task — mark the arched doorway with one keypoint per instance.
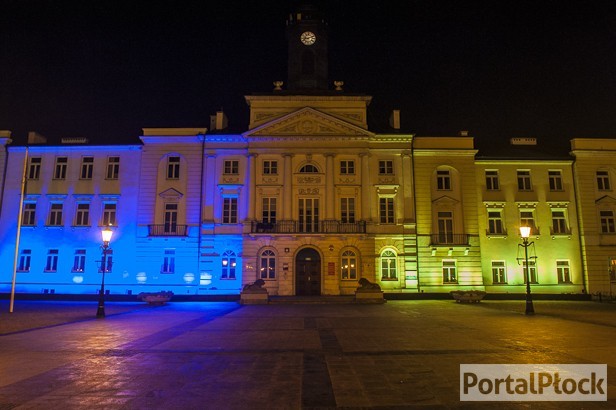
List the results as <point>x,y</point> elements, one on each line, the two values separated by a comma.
<point>308,272</point>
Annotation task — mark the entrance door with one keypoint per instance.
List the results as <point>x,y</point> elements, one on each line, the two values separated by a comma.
<point>308,273</point>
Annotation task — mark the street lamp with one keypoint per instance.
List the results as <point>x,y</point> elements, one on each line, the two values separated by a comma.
<point>106,234</point>
<point>525,233</point>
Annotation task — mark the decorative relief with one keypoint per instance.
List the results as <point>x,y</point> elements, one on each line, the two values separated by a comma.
<point>308,191</point>
<point>230,180</point>
<point>309,180</point>
<point>346,180</point>
<point>269,180</point>
<point>387,180</point>
<point>308,127</point>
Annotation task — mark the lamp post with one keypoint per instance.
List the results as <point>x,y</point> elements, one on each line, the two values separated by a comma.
<point>525,233</point>
<point>106,234</point>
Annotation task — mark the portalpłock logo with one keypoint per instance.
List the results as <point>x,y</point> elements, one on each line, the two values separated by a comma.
<point>533,382</point>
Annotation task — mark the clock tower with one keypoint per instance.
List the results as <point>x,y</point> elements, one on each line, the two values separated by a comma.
<point>307,38</point>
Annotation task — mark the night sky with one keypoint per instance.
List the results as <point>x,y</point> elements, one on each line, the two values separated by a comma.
<point>500,69</point>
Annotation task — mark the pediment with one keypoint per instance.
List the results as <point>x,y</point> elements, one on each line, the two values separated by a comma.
<point>171,193</point>
<point>308,122</point>
<point>606,200</point>
<point>445,200</point>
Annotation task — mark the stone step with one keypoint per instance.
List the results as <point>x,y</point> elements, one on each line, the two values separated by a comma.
<point>303,300</point>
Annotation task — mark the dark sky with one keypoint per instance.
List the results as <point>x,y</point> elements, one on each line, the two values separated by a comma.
<point>103,69</point>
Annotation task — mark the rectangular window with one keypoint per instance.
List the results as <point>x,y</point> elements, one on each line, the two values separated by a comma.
<point>168,261</point>
<point>82,216</point>
<point>270,167</point>
<point>268,265</point>
<point>532,274</point>
<point>499,272</point>
<point>34,169</point>
<point>348,265</point>
<point>79,262</point>
<point>559,222</point>
<point>171,218</point>
<point>563,271</point>
<point>445,227</point>
<point>449,271</point>
<point>527,218</point>
<point>232,167</point>
<point>109,215</point>
<point>443,180</point>
<point>524,183</point>
<point>308,211</point>
<point>107,261</point>
<point>603,181</point>
<point>60,168</point>
<point>29,214</point>
<point>386,210</point>
<point>25,257</point>
<point>607,221</point>
<point>347,167</point>
<point>347,210</point>
<point>87,166</point>
<point>492,183</point>
<point>173,167</point>
<point>386,167</point>
<point>495,222</point>
<point>51,265</point>
<point>229,211</point>
<point>55,215</point>
<point>269,211</point>
<point>113,168</point>
<point>389,269</point>
<point>228,265</point>
<point>555,179</point>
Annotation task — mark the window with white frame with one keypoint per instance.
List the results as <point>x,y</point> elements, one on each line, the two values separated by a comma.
<point>386,167</point>
<point>231,167</point>
<point>267,265</point>
<point>270,167</point>
<point>34,169</point>
<point>348,265</point>
<point>109,214</point>
<point>268,211</point>
<point>492,182</point>
<point>25,258</point>
<point>347,210</point>
<point>87,167</point>
<point>559,222</point>
<point>113,168</point>
<point>603,181</point>
<point>51,265</point>
<point>555,180</point>
<point>389,265</point>
<point>495,222</point>
<point>608,224</point>
<point>173,167</point>
<point>29,214</point>
<point>55,214</point>
<point>524,182</point>
<point>443,180</point>
<point>527,218</point>
<point>532,271</point>
<point>347,167</point>
<point>386,210</point>
<point>450,274</point>
<point>228,265</point>
<point>168,265</point>
<point>563,271</point>
<point>60,168</point>
<point>82,215</point>
<point>499,272</point>
<point>229,210</point>
<point>79,260</point>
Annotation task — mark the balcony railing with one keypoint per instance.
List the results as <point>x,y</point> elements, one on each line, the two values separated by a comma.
<point>449,239</point>
<point>336,227</point>
<point>168,230</point>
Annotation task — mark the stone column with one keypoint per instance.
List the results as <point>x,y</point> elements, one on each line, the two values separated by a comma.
<point>209,193</point>
<point>366,189</point>
<point>252,186</point>
<point>287,188</point>
<point>407,187</point>
<point>330,197</point>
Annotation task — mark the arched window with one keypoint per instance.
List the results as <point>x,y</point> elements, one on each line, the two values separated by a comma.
<point>309,169</point>
<point>267,265</point>
<point>389,268</point>
<point>228,265</point>
<point>348,264</point>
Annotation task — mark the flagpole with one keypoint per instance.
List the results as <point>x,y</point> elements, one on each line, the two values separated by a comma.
<point>19,220</point>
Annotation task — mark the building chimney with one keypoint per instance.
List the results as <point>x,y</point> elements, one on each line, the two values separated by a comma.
<point>218,121</point>
<point>36,138</point>
<point>394,119</point>
<point>463,133</point>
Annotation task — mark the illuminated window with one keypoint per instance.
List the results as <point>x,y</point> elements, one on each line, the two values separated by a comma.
<point>25,257</point>
<point>563,271</point>
<point>270,167</point>
<point>607,221</point>
<point>29,214</point>
<point>108,262</point>
<point>232,167</point>
<point>228,265</point>
<point>82,215</point>
<point>603,181</point>
<point>79,260</point>
<point>347,210</point>
<point>87,165</point>
<point>524,183</point>
<point>60,168</point>
<point>229,211</point>
<point>348,264</point>
<point>527,218</point>
<point>389,268</point>
<point>386,210</point>
<point>168,261</point>
<point>347,167</point>
<point>532,274</point>
<point>492,183</point>
<point>34,170</point>
<point>55,215</point>
<point>555,179</point>
<point>267,265</point>
<point>386,167</point>
<point>51,265</point>
<point>308,212</point>
<point>443,180</point>
<point>109,215</point>
<point>495,222</point>
<point>173,167</point>
<point>309,169</point>
<point>445,227</point>
<point>113,168</point>
<point>559,222</point>
<point>449,271</point>
<point>499,272</point>
<point>268,212</point>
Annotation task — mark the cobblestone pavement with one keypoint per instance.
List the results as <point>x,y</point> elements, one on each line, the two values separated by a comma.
<point>207,355</point>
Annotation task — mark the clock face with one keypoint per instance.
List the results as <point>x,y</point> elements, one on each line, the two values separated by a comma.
<point>308,38</point>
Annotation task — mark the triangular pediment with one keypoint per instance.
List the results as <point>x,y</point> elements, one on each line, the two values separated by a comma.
<point>171,194</point>
<point>445,200</point>
<point>606,200</point>
<point>308,122</point>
